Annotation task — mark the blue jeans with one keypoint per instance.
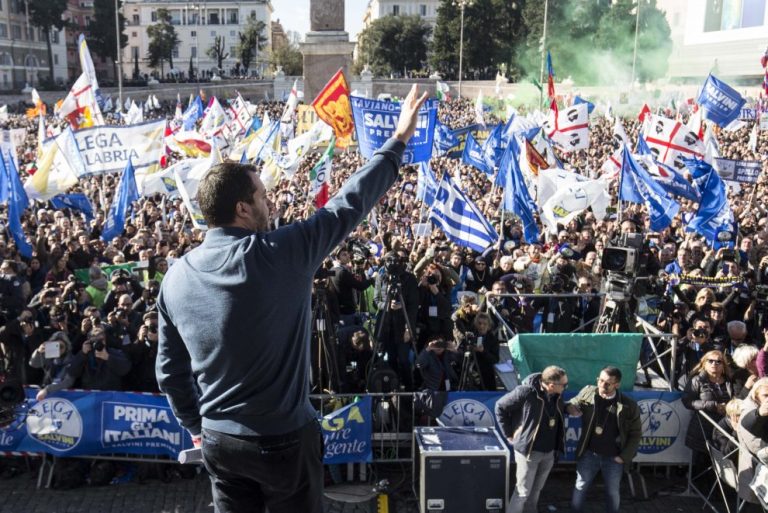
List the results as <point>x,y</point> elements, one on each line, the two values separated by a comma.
<point>587,468</point>
<point>249,474</point>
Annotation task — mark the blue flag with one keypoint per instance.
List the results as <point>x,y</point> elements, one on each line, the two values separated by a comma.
<point>714,214</point>
<point>194,112</point>
<point>459,218</point>
<point>493,147</point>
<point>127,193</point>
<point>516,196</point>
<point>5,184</point>
<point>426,186</point>
<point>590,106</point>
<point>721,103</point>
<point>642,146</point>
<point>78,201</point>
<point>15,183</point>
<point>638,186</point>
<point>17,202</point>
<point>255,125</point>
<point>474,156</point>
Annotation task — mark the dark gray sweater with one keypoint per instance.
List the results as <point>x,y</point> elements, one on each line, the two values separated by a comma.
<point>235,314</point>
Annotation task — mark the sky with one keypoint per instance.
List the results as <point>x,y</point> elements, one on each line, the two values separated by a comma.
<point>294,15</point>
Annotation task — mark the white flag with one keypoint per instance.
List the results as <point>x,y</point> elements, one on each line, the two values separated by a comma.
<point>569,128</point>
<point>564,195</point>
<point>479,117</point>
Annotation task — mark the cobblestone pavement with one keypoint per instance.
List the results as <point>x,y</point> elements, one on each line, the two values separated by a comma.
<point>18,494</point>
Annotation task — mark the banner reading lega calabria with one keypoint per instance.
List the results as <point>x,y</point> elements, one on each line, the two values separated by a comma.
<point>375,122</point>
<point>106,148</point>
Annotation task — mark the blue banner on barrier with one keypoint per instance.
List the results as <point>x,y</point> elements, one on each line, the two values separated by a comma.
<point>347,433</point>
<point>87,423</point>
<point>663,416</point>
<point>375,122</point>
<point>76,423</point>
<point>83,423</point>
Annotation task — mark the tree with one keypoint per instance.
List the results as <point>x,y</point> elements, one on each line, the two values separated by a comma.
<point>251,42</point>
<point>163,40</point>
<point>102,31</point>
<point>394,44</point>
<point>289,57</point>
<point>217,51</point>
<point>47,14</point>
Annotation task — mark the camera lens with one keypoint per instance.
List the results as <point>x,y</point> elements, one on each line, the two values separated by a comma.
<point>98,345</point>
<point>152,328</point>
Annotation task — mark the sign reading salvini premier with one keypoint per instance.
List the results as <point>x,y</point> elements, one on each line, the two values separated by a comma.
<point>376,121</point>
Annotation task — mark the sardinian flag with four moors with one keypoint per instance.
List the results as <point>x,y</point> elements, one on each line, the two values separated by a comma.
<point>569,128</point>
<point>670,141</point>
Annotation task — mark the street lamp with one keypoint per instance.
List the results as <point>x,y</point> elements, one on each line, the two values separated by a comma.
<point>543,50</point>
<point>634,53</point>
<point>119,54</point>
<point>461,4</point>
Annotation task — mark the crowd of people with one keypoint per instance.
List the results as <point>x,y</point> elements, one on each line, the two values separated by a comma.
<point>420,303</point>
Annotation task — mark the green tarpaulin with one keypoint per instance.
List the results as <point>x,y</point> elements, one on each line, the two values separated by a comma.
<point>582,355</point>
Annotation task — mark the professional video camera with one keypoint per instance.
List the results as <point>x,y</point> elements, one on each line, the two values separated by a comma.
<point>625,256</point>
<point>359,251</point>
<point>394,265</point>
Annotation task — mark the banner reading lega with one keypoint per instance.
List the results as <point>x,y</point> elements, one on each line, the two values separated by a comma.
<point>106,148</point>
<point>375,122</point>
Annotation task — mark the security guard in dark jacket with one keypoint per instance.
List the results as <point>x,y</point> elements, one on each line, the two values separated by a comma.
<point>531,418</point>
<point>610,435</point>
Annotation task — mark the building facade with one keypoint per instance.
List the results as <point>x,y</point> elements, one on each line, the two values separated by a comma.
<point>376,9</point>
<point>80,14</point>
<point>197,24</point>
<point>726,37</point>
<point>23,50</point>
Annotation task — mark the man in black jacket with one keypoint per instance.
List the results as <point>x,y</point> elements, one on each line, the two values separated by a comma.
<point>531,418</point>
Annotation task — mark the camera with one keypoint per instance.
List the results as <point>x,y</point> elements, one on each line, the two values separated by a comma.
<point>470,339</point>
<point>152,328</point>
<point>729,255</point>
<point>558,282</point>
<point>98,345</point>
<point>394,265</point>
<point>432,279</point>
<point>698,332</point>
<point>625,256</point>
<point>359,251</point>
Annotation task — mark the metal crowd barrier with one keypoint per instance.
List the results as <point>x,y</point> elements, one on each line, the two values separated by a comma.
<point>726,473</point>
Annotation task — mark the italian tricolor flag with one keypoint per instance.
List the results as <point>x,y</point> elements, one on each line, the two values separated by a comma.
<point>320,176</point>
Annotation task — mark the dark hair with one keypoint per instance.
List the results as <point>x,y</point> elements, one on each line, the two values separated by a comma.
<point>612,371</point>
<point>222,188</point>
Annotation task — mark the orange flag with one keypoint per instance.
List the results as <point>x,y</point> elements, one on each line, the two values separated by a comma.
<point>332,106</point>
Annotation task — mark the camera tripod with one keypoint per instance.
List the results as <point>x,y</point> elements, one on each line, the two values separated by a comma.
<point>616,316</point>
<point>470,371</point>
<point>324,349</point>
<point>394,291</point>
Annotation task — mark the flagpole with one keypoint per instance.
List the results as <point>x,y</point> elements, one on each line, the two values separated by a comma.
<point>543,47</point>
<point>429,212</point>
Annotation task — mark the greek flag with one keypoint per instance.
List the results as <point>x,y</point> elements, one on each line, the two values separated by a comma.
<point>459,218</point>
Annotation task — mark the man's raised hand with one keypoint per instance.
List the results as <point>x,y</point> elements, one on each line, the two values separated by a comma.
<point>409,114</point>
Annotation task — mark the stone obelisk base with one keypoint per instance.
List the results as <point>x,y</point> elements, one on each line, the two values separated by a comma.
<point>324,53</point>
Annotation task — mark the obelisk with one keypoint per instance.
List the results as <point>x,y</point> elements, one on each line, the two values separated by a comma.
<point>326,47</point>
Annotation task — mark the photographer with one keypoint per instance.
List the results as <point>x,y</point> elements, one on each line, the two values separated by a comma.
<point>436,364</point>
<point>557,312</point>
<point>349,282</point>
<point>355,353</point>
<point>588,307</point>
<point>481,341</point>
<point>392,331</point>
<point>18,338</point>
<point>696,343</point>
<point>98,366</point>
<point>142,353</point>
<point>148,300</point>
<point>434,317</point>
<point>11,291</point>
<point>53,356</point>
